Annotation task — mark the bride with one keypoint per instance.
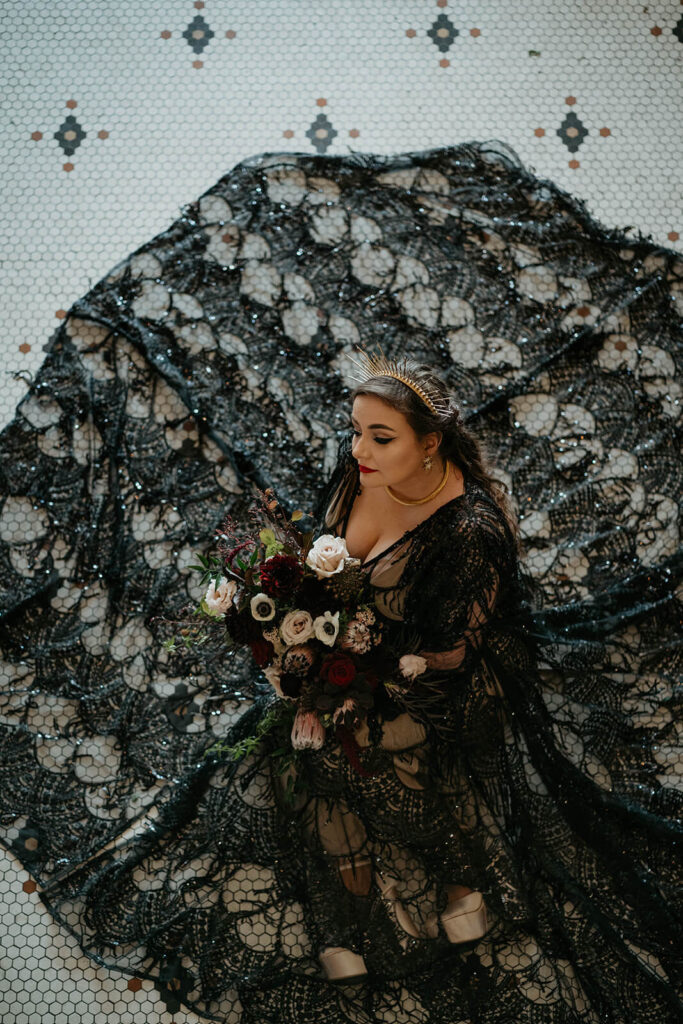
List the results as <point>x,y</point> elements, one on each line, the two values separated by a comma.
<point>501,845</point>
<point>445,826</point>
<point>395,453</point>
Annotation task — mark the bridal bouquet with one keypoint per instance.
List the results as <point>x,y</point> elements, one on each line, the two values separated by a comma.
<point>304,609</point>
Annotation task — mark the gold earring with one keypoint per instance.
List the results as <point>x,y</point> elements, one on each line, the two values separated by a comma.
<point>427,462</point>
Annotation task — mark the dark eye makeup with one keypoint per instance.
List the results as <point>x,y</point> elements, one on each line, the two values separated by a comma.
<point>379,440</point>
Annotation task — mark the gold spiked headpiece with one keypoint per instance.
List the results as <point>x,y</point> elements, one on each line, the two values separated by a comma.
<point>380,366</point>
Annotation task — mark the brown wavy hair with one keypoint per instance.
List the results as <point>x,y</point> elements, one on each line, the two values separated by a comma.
<point>458,442</point>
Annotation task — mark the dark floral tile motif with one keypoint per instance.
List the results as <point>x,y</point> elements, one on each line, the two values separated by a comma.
<point>321,133</point>
<point>443,33</point>
<point>677,30</point>
<point>70,135</point>
<point>572,131</point>
<point>198,34</point>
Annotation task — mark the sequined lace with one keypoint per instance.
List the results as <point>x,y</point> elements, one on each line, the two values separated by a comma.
<point>541,764</point>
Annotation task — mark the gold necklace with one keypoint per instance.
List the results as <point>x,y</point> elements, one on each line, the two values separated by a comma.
<point>420,501</point>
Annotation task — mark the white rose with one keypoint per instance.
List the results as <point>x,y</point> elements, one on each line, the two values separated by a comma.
<point>219,598</point>
<point>326,556</point>
<point>296,627</point>
<point>412,665</point>
<point>326,627</point>
<point>262,607</point>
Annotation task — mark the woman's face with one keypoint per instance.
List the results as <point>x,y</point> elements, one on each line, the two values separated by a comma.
<point>384,441</point>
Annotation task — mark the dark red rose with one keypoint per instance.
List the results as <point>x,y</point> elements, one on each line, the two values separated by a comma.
<point>290,684</point>
<point>263,651</point>
<point>338,669</point>
<point>280,575</point>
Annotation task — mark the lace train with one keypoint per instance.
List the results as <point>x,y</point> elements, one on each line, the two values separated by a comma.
<point>215,358</point>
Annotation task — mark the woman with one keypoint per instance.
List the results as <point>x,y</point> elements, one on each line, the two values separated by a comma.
<point>533,773</point>
<point>446,826</point>
<point>392,533</point>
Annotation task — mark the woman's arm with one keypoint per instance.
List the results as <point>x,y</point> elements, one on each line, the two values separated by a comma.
<point>456,591</point>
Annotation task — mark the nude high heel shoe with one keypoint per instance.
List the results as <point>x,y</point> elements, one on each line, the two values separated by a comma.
<point>464,919</point>
<point>356,874</point>
<point>342,965</point>
<point>389,889</point>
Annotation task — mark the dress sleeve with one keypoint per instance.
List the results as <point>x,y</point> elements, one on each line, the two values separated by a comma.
<point>457,586</point>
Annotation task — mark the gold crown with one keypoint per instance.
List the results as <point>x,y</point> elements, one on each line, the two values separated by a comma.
<point>380,366</point>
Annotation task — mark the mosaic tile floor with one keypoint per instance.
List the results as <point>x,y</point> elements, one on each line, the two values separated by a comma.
<point>116,116</point>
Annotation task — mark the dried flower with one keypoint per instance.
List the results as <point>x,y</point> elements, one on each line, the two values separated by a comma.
<point>298,660</point>
<point>357,637</point>
<point>273,675</point>
<point>307,731</point>
<point>366,616</point>
<point>273,637</point>
<point>346,713</point>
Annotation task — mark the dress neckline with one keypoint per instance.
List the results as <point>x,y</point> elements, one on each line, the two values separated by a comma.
<point>466,489</point>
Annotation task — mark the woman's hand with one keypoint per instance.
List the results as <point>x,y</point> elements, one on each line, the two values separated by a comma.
<point>451,659</point>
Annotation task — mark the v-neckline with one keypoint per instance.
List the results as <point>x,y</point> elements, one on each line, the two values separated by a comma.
<point>369,561</point>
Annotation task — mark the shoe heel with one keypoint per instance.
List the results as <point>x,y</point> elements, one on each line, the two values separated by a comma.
<point>356,874</point>
<point>465,919</point>
<point>342,965</point>
<point>389,888</point>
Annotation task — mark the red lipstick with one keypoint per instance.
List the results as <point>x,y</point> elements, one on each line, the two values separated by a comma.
<point>364,469</point>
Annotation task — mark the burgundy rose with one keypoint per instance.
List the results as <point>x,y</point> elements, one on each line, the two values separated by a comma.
<point>263,651</point>
<point>280,575</point>
<point>338,669</point>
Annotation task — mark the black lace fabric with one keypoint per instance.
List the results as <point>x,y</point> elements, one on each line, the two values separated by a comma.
<point>541,761</point>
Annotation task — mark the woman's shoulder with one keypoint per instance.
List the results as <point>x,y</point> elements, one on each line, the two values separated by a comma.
<point>476,506</point>
<point>473,522</point>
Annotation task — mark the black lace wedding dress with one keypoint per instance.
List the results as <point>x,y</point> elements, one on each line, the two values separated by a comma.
<point>543,768</point>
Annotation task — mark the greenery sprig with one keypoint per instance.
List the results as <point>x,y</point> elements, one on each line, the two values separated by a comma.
<point>279,716</point>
